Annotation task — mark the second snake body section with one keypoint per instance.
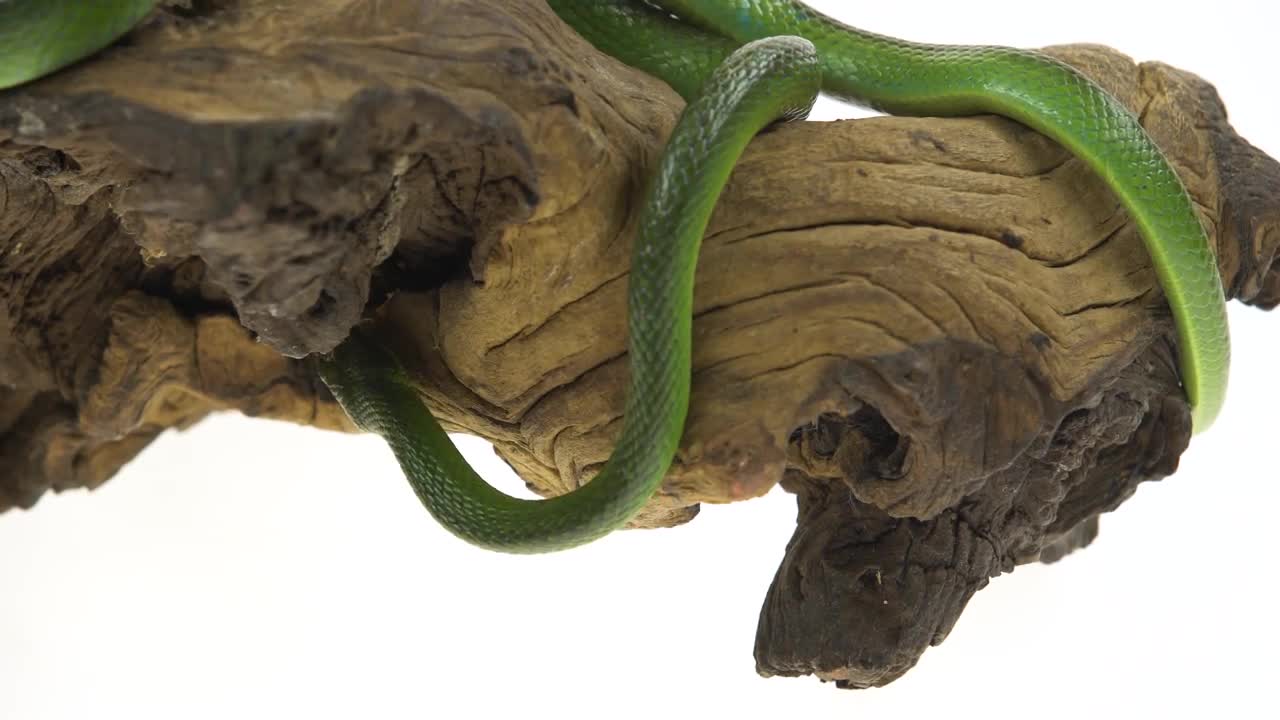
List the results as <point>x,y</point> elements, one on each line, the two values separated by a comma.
<point>907,78</point>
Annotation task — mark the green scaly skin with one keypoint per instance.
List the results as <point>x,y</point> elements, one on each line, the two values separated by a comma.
<point>38,37</point>
<point>733,93</point>
<point>906,78</point>
<point>766,80</point>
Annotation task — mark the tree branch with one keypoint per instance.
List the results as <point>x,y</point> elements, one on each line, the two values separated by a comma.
<point>943,335</point>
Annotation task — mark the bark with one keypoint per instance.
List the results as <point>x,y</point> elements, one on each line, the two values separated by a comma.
<point>944,336</point>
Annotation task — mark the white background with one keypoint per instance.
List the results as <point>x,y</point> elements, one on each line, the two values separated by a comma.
<point>256,569</point>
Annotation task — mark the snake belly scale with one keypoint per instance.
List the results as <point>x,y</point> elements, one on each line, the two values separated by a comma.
<point>741,65</point>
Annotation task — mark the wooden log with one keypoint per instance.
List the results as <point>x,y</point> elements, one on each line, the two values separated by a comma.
<point>944,336</point>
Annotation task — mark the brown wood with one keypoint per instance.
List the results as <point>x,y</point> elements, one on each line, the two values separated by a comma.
<point>943,335</point>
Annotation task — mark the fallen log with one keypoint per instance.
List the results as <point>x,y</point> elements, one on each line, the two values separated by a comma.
<point>944,336</point>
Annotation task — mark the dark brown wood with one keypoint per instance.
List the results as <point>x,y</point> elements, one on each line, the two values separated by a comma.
<point>943,335</point>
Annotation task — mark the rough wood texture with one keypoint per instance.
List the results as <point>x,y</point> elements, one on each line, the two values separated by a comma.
<point>943,335</point>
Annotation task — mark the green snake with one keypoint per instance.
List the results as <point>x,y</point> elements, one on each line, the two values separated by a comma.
<point>741,65</point>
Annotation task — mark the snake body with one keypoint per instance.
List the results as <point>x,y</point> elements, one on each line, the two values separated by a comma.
<point>740,64</point>
<point>766,80</point>
<point>38,37</point>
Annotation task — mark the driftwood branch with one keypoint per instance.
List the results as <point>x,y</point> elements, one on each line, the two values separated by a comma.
<point>943,335</point>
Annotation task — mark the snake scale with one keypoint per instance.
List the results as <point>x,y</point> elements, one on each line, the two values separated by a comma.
<point>741,65</point>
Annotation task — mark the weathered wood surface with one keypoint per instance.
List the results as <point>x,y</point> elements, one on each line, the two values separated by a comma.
<point>943,335</point>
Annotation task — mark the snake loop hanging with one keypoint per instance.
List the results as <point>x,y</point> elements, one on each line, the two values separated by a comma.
<point>741,65</point>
